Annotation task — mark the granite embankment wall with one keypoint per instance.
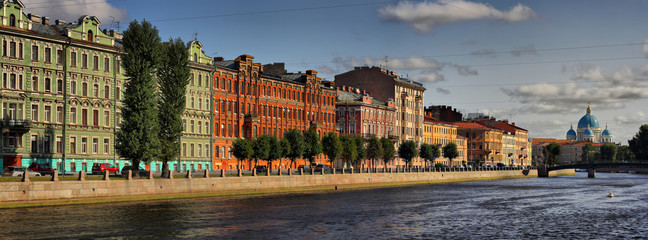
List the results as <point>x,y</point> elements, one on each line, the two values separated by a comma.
<point>67,190</point>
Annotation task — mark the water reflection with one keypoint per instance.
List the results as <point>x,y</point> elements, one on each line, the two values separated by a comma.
<point>565,207</point>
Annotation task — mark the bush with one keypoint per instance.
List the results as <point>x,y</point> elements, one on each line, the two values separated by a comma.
<point>440,165</point>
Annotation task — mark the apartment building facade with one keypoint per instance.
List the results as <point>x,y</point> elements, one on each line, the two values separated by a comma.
<point>248,102</point>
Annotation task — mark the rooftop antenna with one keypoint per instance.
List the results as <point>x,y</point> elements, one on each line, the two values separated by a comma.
<point>113,20</point>
<point>195,36</point>
<point>386,62</point>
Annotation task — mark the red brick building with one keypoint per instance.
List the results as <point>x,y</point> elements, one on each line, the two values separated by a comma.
<point>360,114</point>
<point>248,102</point>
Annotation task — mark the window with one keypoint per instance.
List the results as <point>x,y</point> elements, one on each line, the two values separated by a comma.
<point>48,85</point>
<point>34,113</point>
<point>59,144</point>
<point>84,145</point>
<point>72,144</point>
<point>118,65</point>
<point>106,118</point>
<point>192,102</point>
<point>4,48</point>
<point>34,143</point>
<point>95,145</point>
<point>73,60</point>
<point>184,149</point>
<point>48,55</point>
<point>12,20</point>
<point>95,90</point>
<point>90,36</point>
<point>199,150</point>
<point>184,125</point>
<point>207,81</point>
<point>84,117</point>
<point>106,146</point>
<point>106,64</point>
<point>118,93</point>
<point>12,81</point>
<point>199,82</point>
<point>59,57</point>
<point>59,86</point>
<point>95,118</point>
<point>84,60</point>
<point>106,91</point>
<point>12,49</point>
<point>34,53</point>
<point>47,113</point>
<point>199,127</point>
<point>199,103</point>
<point>191,126</point>
<point>34,83</point>
<point>59,114</point>
<point>191,79</point>
<point>206,127</point>
<point>95,63</point>
<point>84,89</point>
<point>73,115</point>
<point>192,149</point>
<point>46,144</point>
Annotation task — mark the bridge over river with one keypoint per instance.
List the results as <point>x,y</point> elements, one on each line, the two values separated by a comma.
<point>543,170</point>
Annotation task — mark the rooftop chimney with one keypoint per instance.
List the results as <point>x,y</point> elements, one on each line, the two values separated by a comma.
<point>219,59</point>
<point>59,22</point>
<point>45,21</point>
<point>35,18</point>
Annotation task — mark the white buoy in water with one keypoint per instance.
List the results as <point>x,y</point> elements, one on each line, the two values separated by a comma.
<point>610,194</point>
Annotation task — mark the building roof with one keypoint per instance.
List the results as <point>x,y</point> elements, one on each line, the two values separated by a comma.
<point>475,125</point>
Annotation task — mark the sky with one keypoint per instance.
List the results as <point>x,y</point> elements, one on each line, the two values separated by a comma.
<point>536,63</point>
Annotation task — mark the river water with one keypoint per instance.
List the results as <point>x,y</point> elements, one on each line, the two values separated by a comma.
<point>568,207</point>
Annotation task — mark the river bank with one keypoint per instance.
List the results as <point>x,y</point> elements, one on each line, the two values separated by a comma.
<point>28,194</point>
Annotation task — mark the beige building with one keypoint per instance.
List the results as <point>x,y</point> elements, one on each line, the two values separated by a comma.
<point>441,133</point>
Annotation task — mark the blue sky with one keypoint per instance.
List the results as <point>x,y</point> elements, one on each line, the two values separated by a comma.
<point>537,63</point>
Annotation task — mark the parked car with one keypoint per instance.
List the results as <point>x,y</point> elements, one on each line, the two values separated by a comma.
<point>307,168</point>
<point>142,172</point>
<point>16,171</point>
<point>43,169</point>
<point>501,165</point>
<point>99,168</point>
<point>261,169</point>
<point>321,167</point>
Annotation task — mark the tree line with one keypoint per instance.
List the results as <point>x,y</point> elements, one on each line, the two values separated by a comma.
<point>351,149</point>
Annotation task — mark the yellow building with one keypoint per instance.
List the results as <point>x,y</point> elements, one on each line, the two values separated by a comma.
<point>441,133</point>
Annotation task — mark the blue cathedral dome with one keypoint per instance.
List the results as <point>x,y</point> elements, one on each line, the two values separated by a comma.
<point>588,132</point>
<point>571,132</point>
<point>606,132</point>
<point>588,120</point>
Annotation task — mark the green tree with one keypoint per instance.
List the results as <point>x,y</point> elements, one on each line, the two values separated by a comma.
<point>313,146</point>
<point>173,78</point>
<point>589,153</point>
<point>608,152</point>
<point>242,149</point>
<point>429,152</point>
<point>624,154</point>
<point>261,147</point>
<point>137,137</point>
<point>450,152</point>
<point>285,148</point>
<point>407,151</point>
<point>374,149</point>
<point>388,150</point>
<point>551,152</point>
<point>360,148</point>
<point>276,151</point>
<point>639,144</point>
<point>296,143</point>
<point>332,147</point>
<point>349,149</point>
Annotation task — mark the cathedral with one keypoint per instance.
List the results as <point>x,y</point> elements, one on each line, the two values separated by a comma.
<point>589,130</point>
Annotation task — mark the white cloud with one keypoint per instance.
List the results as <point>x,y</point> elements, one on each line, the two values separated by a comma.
<point>609,91</point>
<point>428,77</point>
<point>71,10</point>
<point>638,118</point>
<point>425,16</point>
<point>645,47</point>
<point>466,71</point>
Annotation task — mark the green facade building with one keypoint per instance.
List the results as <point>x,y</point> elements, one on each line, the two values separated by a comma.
<point>61,90</point>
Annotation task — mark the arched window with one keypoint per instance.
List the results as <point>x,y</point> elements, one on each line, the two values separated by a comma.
<point>12,20</point>
<point>195,57</point>
<point>90,36</point>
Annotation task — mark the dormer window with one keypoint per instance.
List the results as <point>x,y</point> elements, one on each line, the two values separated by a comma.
<point>12,20</point>
<point>195,57</point>
<point>90,36</point>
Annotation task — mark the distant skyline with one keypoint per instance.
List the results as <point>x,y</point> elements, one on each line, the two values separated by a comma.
<point>536,63</point>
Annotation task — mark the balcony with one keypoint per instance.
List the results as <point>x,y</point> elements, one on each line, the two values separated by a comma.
<point>22,125</point>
